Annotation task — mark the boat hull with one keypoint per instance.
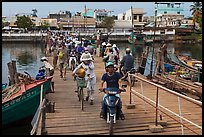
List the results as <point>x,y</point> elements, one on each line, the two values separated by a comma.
<point>24,105</point>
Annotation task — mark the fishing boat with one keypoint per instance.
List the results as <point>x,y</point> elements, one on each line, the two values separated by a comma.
<point>20,101</point>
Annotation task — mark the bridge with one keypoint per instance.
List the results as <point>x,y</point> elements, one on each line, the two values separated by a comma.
<point>151,104</point>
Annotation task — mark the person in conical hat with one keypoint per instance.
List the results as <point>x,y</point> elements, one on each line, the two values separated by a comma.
<point>90,77</point>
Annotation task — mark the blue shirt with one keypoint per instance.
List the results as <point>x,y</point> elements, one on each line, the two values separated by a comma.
<point>128,62</point>
<point>112,81</point>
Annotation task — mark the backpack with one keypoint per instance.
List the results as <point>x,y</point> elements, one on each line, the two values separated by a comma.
<point>60,54</point>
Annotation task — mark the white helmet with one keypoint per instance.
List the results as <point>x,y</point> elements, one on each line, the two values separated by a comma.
<point>86,57</point>
<point>104,43</point>
<point>114,46</point>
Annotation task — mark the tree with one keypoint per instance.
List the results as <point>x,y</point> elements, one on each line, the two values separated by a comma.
<point>107,23</point>
<point>196,10</point>
<point>44,25</point>
<point>24,22</point>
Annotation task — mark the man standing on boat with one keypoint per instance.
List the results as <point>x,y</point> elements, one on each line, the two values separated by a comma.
<point>48,66</point>
<point>160,58</point>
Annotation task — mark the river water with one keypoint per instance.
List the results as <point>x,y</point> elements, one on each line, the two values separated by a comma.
<point>28,56</point>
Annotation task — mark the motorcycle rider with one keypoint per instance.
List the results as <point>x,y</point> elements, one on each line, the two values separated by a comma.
<point>127,62</point>
<point>112,79</point>
<point>72,55</point>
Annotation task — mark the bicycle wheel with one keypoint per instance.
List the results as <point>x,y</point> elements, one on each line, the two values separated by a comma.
<point>82,98</point>
<point>79,96</point>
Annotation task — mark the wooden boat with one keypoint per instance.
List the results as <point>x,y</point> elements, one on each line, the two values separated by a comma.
<point>20,101</point>
<point>190,63</point>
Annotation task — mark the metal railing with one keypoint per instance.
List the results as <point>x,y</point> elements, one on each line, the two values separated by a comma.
<point>39,118</point>
<point>161,108</point>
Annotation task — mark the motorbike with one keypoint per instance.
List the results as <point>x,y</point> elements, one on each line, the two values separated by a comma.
<point>125,76</point>
<point>111,103</point>
<point>73,63</point>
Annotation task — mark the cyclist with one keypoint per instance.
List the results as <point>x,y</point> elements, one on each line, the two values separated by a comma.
<point>90,77</point>
<point>112,79</point>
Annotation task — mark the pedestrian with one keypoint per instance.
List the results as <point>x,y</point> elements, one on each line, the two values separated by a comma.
<point>63,60</point>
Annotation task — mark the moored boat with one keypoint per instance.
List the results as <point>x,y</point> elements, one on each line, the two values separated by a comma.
<point>20,101</point>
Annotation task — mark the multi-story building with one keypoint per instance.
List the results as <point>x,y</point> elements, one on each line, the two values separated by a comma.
<point>169,8</point>
<point>168,14</point>
<point>53,24</point>
<point>60,14</point>
<point>100,14</point>
<point>132,18</point>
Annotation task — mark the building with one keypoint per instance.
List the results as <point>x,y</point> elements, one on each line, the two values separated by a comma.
<point>168,8</point>
<point>59,15</point>
<point>131,19</point>
<point>78,23</point>
<point>168,14</point>
<point>100,14</point>
<point>53,24</point>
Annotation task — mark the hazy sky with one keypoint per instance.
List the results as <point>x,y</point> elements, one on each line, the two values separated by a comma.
<point>44,8</point>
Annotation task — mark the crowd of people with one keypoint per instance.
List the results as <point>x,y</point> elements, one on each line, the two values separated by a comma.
<point>65,47</point>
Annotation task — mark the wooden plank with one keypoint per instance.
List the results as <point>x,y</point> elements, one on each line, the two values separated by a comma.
<point>69,119</point>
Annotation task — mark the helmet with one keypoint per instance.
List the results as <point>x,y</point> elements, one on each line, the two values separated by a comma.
<point>108,45</point>
<point>43,59</point>
<point>81,72</point>
<point>127,50</point>
<point>110,63</point>
<point>114,46</point>
<point>86,57</point>
<point>85,49</point>
<point>103,43</point>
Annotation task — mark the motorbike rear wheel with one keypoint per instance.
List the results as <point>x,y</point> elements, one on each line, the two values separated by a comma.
<point>72,65</point>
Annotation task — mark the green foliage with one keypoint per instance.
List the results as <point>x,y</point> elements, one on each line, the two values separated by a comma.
<point>44,25</point>
<point>196,10</point>
<point>108,23</point>
<point>24,22</point>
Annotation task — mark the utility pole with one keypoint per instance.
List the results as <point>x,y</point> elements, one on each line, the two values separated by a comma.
<point>84,17</point>
<point>155,21</point>
<point>73,22</point>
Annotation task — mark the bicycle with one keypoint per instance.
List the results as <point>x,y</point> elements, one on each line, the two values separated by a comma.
<point>81,83</point>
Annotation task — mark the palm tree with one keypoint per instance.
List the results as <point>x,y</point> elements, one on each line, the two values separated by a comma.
<point>196,10</point>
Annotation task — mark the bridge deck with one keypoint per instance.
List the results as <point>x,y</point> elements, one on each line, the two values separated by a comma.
<point>69,119</point>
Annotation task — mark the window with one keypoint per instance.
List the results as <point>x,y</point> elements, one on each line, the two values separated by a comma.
<point>168,5</point>
<point>140,18</point>
<point>135,17</point>
<point>172,5</point>
<point>165,12</point>
<point>178,12</point>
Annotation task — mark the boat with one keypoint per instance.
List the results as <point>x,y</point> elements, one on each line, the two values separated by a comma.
<point>20,101</point>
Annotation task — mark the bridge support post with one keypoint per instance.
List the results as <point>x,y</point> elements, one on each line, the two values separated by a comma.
<point>155,128</point>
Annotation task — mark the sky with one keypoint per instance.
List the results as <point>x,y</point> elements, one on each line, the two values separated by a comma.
<point>44,8</point>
